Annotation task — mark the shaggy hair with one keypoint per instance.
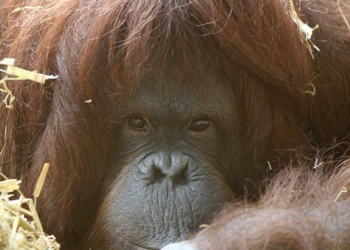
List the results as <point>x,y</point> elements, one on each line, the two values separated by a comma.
<point>100,49</point>
<point>301,210</point>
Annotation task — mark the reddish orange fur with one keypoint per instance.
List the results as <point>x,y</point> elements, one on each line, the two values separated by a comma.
<point>254,42</point>
<point>300,210</point>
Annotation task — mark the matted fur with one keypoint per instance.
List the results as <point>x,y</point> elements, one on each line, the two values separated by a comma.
<point>301,210</point>
<point>100,49</point>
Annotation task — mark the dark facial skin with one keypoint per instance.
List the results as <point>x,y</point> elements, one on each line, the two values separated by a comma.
<point>169,151</point>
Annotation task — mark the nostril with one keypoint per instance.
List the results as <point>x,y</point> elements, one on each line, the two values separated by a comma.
<point>176,173</point>
<point>157,174</point>
<point>181,176</point>
<point>173,167</point>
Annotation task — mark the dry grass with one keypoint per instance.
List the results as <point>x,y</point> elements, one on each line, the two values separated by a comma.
<point>20,226</point>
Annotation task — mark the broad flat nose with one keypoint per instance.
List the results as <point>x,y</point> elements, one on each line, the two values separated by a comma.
<point>161,165</point>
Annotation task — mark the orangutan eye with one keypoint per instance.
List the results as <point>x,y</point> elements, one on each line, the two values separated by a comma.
<point>199,125</point>
<point>138,123</point>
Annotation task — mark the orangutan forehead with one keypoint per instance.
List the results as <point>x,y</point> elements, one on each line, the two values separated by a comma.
<point>201,95</point>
